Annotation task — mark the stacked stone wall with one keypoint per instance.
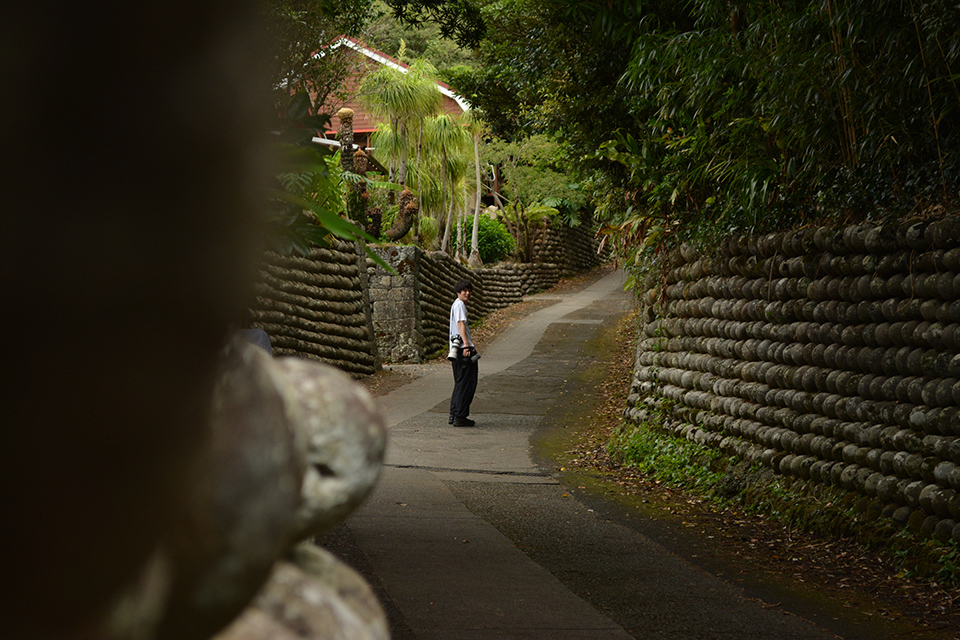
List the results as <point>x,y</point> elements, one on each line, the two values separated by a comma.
<point>503,285</point>
<point>439,274</point>
<point>536,276</point>
<point>327,308</point>
<point>828,355</point>
<point>315,307</point>
<point>416,328</point>
<point>574,249</point>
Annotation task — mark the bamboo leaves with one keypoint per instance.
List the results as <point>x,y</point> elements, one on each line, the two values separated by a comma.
<point>746,115</point>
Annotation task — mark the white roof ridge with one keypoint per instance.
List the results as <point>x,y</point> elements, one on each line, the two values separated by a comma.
<point>384,60</point>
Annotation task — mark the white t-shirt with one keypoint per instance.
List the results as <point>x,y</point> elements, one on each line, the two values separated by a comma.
<point>458,312</point>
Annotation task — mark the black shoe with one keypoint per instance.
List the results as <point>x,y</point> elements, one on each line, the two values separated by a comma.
<point>464,422</point>
<point>450,421</point>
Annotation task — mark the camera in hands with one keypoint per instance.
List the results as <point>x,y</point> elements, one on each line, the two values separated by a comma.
<point>456,347</point>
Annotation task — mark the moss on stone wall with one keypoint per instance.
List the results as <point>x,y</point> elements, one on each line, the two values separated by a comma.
<point>825,358</point>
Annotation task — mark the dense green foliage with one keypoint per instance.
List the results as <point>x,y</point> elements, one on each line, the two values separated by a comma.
<point>422,40</point>
<point>494,242</point>
<point>687,120</point>
<point>459,20</point>
<point>299,30</point>
<point>706,117</point>
<point>532,174</point>
<point>308,200</point>
<point>530,188</point>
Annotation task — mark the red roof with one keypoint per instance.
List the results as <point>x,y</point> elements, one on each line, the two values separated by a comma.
<point>363,121</point>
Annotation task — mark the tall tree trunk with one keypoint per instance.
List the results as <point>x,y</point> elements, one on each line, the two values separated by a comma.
<point>461,241</point>
<point>474,260</point>
<point>420,143</point>
<point>445,243</point>
<point>446,232</point>
<point>402,171</point>
<point>394,172</point>
<point>417,165</point>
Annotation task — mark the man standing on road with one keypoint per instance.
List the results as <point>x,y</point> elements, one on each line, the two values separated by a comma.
<point>463,356</point>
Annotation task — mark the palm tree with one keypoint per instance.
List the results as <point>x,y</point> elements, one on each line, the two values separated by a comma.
<point>403,99</point>
<point>475,130</point>
<point>389,145</point>
<point>425,179</point>
<point>447,139</point>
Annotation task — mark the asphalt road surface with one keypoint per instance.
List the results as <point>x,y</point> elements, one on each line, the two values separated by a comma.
<point>466,537</point>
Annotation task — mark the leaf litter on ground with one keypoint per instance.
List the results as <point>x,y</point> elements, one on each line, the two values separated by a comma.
<point>837,565</point>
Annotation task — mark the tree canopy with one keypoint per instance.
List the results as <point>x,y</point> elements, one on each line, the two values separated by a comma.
<point>421,40</point>
<point>301,32</point>
<point>705,117</point>
<point>685,120</point>
<point>532,173</point>
<point>459,20</point>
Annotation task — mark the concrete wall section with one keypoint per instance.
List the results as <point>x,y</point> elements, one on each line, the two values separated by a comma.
<point>829,355</point>
<point>396,314</point>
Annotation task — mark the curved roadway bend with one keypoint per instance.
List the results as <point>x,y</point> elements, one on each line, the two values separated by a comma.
<point>429,538</point>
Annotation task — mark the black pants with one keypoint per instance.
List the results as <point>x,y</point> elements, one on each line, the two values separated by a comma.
<point>464,386</point>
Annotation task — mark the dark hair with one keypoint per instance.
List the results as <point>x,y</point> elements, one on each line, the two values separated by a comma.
<point>463,285</point>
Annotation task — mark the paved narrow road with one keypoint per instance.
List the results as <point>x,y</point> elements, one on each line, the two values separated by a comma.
<point>466,538</point>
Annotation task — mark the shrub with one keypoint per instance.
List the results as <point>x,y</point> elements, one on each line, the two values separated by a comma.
<point>494,242</point>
